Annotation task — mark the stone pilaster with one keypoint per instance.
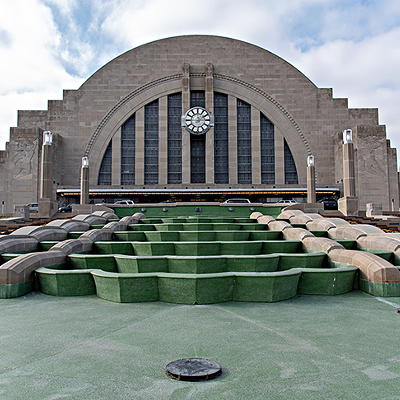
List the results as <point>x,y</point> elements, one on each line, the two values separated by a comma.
<point>232,140</point>
<point>185,133</point>
<point>209,100</point>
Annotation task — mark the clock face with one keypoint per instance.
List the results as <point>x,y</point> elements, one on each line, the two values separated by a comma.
<point>198,120</point>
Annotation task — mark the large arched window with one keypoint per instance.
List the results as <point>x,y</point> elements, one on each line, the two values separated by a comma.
<point>247,144</point>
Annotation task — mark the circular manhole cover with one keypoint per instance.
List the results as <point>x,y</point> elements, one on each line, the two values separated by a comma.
<point>193,369</point>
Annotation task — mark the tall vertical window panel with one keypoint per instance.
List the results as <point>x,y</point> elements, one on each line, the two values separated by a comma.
<point>197,144</point>
<point>244,142</point>
<point>151,143</point>
<point>128,152</point>
<point>197,98</point>
<point>291,177</point>
<point>221,155</point>
<point>174,138</point>
<point>267,145</point>
<point>105,167</point>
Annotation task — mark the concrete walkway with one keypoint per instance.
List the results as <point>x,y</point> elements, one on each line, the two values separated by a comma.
<point>308,347</point>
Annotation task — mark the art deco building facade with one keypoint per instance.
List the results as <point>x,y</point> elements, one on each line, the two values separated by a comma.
<point>201,117</point>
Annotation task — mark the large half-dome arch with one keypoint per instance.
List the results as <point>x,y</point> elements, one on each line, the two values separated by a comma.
<point>268,118</point>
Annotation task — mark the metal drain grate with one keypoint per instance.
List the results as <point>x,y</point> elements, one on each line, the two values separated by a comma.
<point>193,369</point>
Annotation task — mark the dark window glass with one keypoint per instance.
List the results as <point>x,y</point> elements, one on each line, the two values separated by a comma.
<point>198,154</point>
<point>221,156</point>
<point>290,167</point>
<point>151,143</point>
<point>105,167</point>
<point>128,152</point>
<point>174,138</point>
<point>244,142</point>
<point>197,98</point>
<point>267,144</point>
<point>197,144</point>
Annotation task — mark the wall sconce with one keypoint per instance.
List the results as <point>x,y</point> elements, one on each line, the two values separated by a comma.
<point>85,162</point>
<point>347,136</point>
<point>310,161</point>
<point>47,138</point>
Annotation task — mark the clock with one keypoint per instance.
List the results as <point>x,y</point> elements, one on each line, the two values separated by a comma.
<point>197,120</point>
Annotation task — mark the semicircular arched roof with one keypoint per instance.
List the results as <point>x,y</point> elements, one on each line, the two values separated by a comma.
<point>234,56</point>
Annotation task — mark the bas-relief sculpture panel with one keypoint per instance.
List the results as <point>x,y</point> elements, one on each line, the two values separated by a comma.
<point>22,160</point>
<point>373,157</point>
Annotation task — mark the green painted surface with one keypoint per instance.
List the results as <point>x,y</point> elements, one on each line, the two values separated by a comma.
<point>232,236</point>
<point>168,227</point>
<point>259,263</point>
<point>47,244</point>
<point>196,265</point>
<point>214,288</point>
<point>99,226</point>
<point>141,227</point>
<point>4,257</point>
<point>189,211</point>
<point>380,289</point>
<point>266,287</point>
<point>253,227</point>
<point>115,247</point>
<point>201,226</point>
<point>202,236</point>
<point>74,235</point>
<point>130,236</point>
<point>266,235</point>
<point>65,282</point>
<point>107,286</point>
<point>173,220</point>
<point>196,289</point>
<point>348,244</point>
<point>127,288</point>
<point>138,288</point>
<point>140,264</point>
<point>307,347</point>
<point>177,289</point>
<point>281,246</point>
<point>320,233</point>
<point>241,248</point>
<point>327,281</point>
<point>16,290</point>
<point>197,248</point>
<point>151,221</point>
<point>92,261</point>
<point>161,236</point>
<point>224,226</point>
<point>192,252</point>
<point>153,248</point>
<point>302,260</point>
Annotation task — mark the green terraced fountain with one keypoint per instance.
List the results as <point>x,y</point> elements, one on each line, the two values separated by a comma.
<point>192,259</point>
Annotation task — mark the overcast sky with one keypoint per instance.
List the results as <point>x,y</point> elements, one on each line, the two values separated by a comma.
<point>352,46</point>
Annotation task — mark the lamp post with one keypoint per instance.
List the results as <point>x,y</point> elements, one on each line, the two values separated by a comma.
<point>311,195</point>
<point>349,184</point>
<point>85,181</point>
<point>46,188</point>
